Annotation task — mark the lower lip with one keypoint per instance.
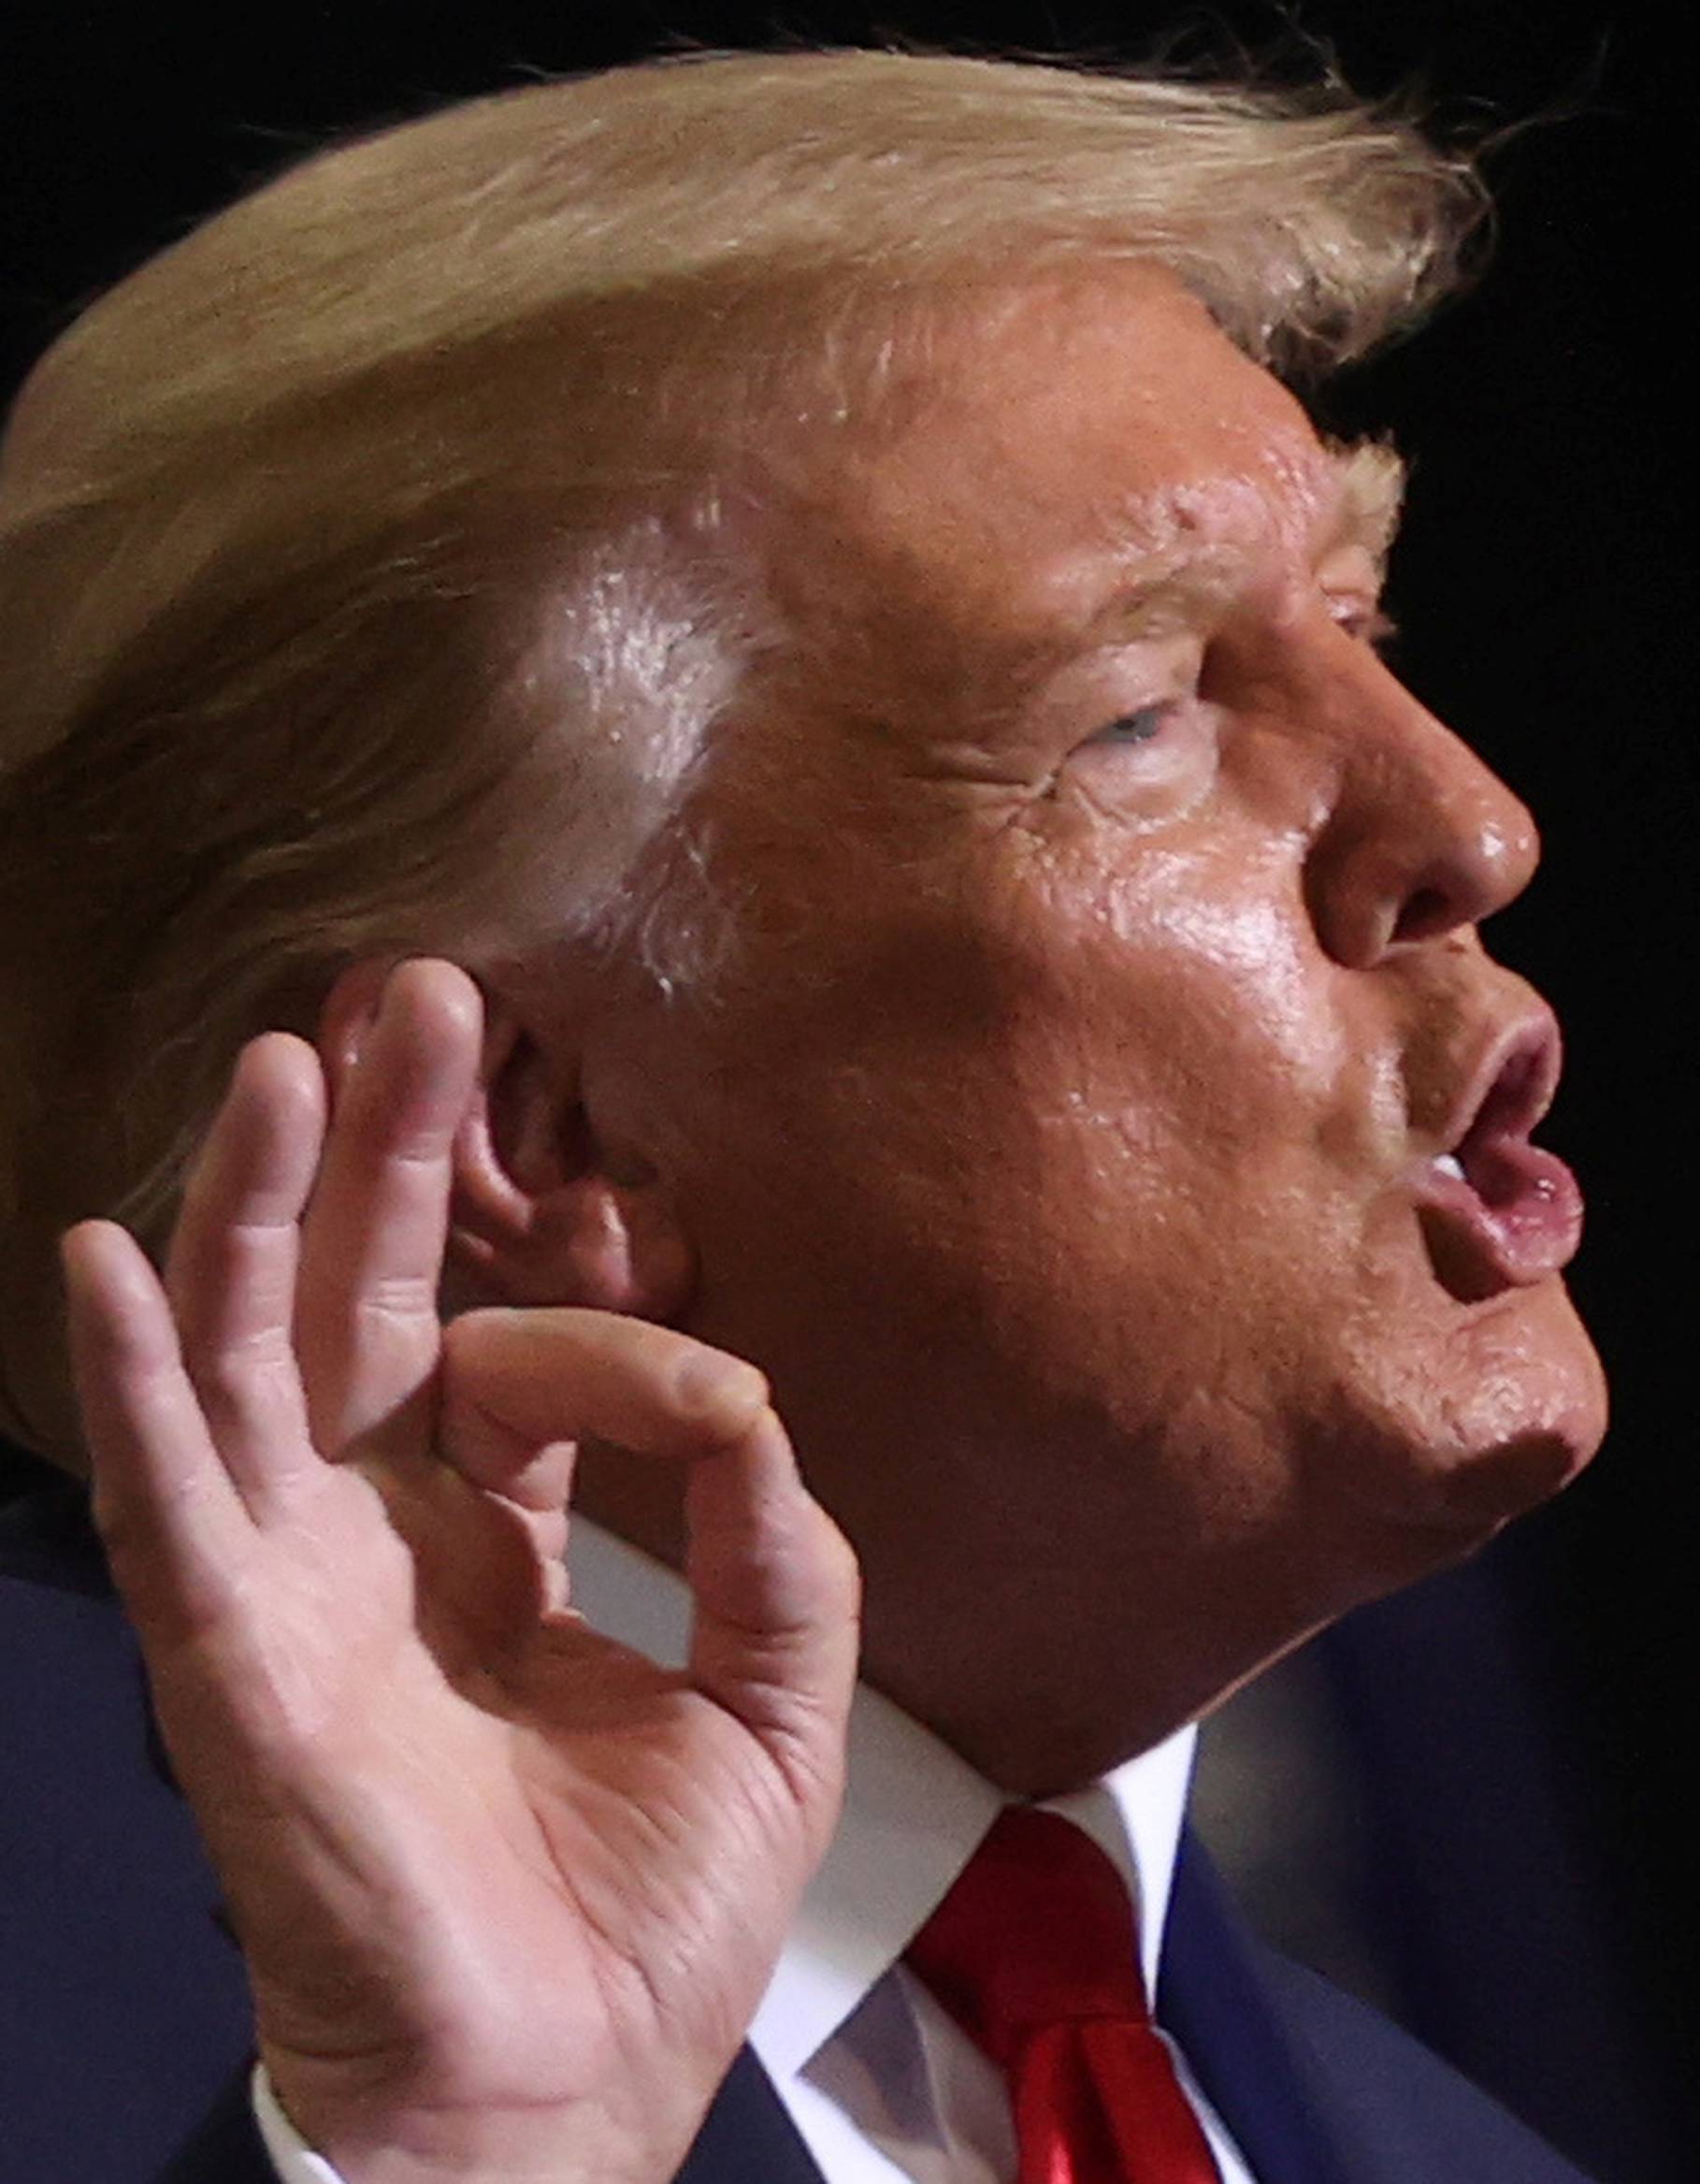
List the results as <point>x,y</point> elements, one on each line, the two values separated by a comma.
<point>1518,1223</point>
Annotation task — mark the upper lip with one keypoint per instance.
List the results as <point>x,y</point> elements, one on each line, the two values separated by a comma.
<point>1511,1086</point>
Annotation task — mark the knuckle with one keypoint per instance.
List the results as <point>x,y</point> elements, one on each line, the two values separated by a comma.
<point>407,1137</point>
<point>843,1566</point>
<point>136,1532</point>
<point>258,1371</point>
<point>399,1302</point>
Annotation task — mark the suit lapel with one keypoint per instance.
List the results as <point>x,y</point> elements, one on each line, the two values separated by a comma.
<point>1213,1997</point>
<point>746,2136</point>
<point>1317,2088</point>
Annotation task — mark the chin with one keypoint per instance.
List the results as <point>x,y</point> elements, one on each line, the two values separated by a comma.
<point>1496,1419</point>
<point>1479,1495</point>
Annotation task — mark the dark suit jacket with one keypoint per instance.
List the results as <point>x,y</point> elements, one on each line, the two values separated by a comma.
<point>125,2026</point>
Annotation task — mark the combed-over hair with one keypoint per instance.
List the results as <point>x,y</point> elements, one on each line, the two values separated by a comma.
<point>359,590</point>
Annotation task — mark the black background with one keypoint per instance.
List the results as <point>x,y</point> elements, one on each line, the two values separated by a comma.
<point>1545,586</point>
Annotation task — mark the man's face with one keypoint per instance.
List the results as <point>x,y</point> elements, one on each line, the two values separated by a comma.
<point>1063,1139</point>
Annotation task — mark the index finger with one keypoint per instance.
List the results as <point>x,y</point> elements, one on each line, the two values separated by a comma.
<point>521,1387</point>
<point>774,1582</point>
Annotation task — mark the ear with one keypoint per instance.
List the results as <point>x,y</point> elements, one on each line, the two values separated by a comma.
<point>542,1212</point>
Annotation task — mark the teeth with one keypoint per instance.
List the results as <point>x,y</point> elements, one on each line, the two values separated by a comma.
<point>1449,1165</point>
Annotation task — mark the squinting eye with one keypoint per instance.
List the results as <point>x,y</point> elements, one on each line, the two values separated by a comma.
<point>1143,727</point>
<point>1368,625</point>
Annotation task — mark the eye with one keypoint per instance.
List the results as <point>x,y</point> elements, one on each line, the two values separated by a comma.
<point>1367,623</point>
<point>1157,758</point>
<point>1142,727</point>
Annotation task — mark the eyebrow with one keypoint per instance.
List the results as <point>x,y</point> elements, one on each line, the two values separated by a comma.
<point>1369,479</point>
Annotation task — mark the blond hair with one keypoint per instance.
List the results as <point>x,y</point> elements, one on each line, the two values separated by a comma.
<point>358,578</point>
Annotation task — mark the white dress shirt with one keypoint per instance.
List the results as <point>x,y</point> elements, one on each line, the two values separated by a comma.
<point>880,2082</point>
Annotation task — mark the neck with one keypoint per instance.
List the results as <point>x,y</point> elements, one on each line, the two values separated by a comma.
<point>1036,1693</point>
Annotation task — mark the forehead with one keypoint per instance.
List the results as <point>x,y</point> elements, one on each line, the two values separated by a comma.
<point>1053,441</point>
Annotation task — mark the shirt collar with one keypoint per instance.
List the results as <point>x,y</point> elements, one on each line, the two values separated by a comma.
<point>914,1814</point>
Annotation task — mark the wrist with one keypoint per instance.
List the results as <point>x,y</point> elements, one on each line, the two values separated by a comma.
<point>368,2141</point>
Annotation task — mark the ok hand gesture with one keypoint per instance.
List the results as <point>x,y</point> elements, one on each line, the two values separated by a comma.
<point>508,1893</point>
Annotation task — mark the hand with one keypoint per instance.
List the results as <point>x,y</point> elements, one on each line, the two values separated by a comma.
<point>508,1893</point>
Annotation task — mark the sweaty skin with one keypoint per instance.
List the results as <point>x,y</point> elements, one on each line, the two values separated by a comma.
<point>1055,1140</point>
<point>1050,1140</point>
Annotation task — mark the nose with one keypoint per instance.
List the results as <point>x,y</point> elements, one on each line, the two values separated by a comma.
<point>1421,838</point>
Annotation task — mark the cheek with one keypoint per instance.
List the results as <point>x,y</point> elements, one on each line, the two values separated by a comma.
<point>1196,1018</point>
<point>1099,1097</point>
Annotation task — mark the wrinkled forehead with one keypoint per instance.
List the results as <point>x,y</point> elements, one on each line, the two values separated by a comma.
<point>1043,440</point>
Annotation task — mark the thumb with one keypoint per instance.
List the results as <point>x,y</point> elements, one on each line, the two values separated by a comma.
<point>774,1582</point>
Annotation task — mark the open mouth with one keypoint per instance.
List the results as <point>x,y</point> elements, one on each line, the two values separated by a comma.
<point>1496,1211</point>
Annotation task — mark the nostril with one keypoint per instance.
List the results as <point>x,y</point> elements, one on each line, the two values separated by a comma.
<point>1425,913</point>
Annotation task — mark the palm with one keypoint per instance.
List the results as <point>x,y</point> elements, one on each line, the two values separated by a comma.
<point>481,1860</point>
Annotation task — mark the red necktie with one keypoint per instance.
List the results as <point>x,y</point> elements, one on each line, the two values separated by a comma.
<point>1033,1953</point>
